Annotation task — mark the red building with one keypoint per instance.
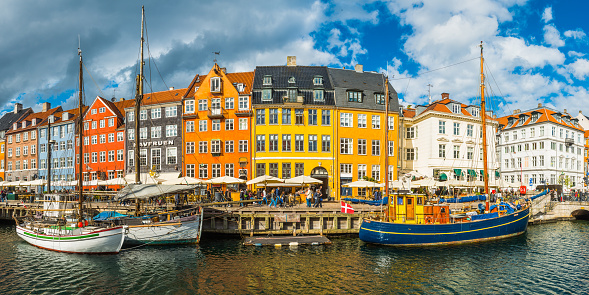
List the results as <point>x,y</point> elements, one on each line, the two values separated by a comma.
<point>104,141</point>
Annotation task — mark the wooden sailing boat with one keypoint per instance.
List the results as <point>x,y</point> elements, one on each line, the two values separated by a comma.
<point>71,235</point>
<point>163,228</point>
<point>434,225</point>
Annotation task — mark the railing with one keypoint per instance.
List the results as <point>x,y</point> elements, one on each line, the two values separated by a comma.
<point>216,113</point>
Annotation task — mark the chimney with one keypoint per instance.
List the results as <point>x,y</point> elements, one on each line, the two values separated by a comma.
<point>291,61</point>
<point>494,116</point>
<point>515,111</point>
<point>359,68</point>
<point>171,88</point>
<point>580,112</point>
<point>46,106</point>
<point>445,95</point>
<point>539,105</point>
<point>565,111</point>
<point>122,99</point>
<point>17,107</point>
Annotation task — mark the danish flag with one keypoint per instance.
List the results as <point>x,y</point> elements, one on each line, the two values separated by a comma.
<point>347,208</point>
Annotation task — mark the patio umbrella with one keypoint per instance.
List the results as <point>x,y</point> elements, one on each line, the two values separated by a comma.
<point>402,185</point>
<point>302,180</point>
<point>184,180</point>
<point>427,182</point>
<point>37,182</point>
<point>363,183</point>
<point>225,180</point>
<point>265,179</point>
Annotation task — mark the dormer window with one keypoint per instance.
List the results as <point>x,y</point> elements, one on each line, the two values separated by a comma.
<point>318,80</point>
<point>355,96</point>
<point>535,117</point>
<point>379,98</point>
<point>66,116</point>
<point>476,112</point>
<point>267,94</point>
<point>24,124</point>
<point>522,120</point>
<point>455,108</point>
<point>216,84</point>
<point>14,126</point>
<point>240,87</point>
<point>267,80</point>
<point>292,80</point>
<point>34,121</point>
<point>318,95</point>
<point>51,119</point>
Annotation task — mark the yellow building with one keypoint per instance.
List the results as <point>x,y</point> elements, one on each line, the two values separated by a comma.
<point>293,127</point>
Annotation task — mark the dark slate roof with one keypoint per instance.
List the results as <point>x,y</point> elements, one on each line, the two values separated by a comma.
<point>9,118</point>
<point>303,76</point>
<point>368,83</point>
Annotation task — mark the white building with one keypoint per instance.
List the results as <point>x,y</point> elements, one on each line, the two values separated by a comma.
<point>444,140</point>
<point>541,146</point>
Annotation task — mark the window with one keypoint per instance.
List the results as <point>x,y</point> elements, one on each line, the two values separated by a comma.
<point>410,132</point>
<point>120,155</point>
<point>216,125</point>
<point>312,117</point>
<point>361,171</point>
<point>143,115</point>
<point>243,146</point>
<point>101,123</point>
<point>111,156</point>
<point>346,146</point>
<point>266,94</point>
<point>260,143</point>
<point>312,143</point>
<point>326,117</point>
<point>25,150</point>
<point>215,84</point>
<point>242,123</point>
<point>143,133</point>
<point>10,136</point>
<point>17,138</point>
<point>156,113</point>
<point>203,147</point>
<point>299,117</point>
<point>260,169</point>
<point>189,126</point>
<point>286,138</point>
<point>318,80</point>
<point>143,157</point>
<point>456,152</point>
<point>131,158</point>
<point>171,112</point>
<point>260,117</point>
<point>190,170</point>
<point>93,111</point>
<point>469,153</point>
<point>229,103</point>
<point>273,143</point>
<point>267,80</point>
<point>442,150</point>
<point>190,147</point>
<point>111,137</point>
<point>354,96</point>
<point>130,118</point>
<point>243,103</point>
<point>376,172</point>
<point>202,104</point>
<point>299,169</point>
<point>103,156</point>
<point>202,125</point>
<point>34,132</point>
<point>33,149</point>
<point>130,132</point>
<point>171,130</point>
<point>391,123</point>
<point>375,122</point>
<point>442,127</point>
<point>325,143</point>
<point>361,120</point>
<point>346,119</point>
<point>376,147</point>
<point>94,139</point>
<point>273,116</point>
<point>229,124</point>
<point>25,136</point>
<point>299,143</point>
<point>361,147</point>
<point>286,170</point>
<point>391,148</point>
<point>273,169</point>
<point>33,163</point>
<point>469,130</point>
<point>102,138</point>
<point>229,146</point>
<point>94,157</point>
<point>189,106</point>
<point>318,95</point>
<point>456,108</point>
<point>541,130</point>
<point>286,117</point>
<point>379,98</point>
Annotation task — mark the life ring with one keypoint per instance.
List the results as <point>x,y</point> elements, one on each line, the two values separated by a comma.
<point>429,219</point>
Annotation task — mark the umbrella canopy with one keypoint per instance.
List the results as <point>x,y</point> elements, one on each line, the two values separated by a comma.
<point>414,174</point>
<point>265,179</point>
<point>302,179</point>
<point>225,180</point>
<point>37,182</point>
<point>184,180</point>
<point>117,181</point>
<point>363,183</point>
<point>14,183</point>
<point>427,182</point>
<point>145,178</point>
<point>402,185</point>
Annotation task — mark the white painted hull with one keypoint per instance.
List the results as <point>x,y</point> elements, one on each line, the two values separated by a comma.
<point>88,240</point>
<point>185,230</point>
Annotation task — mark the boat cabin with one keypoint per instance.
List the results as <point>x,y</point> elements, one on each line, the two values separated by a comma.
<point>412,209</point>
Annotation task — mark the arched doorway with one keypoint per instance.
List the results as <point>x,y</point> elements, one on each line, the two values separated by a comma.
<point>322,174</point>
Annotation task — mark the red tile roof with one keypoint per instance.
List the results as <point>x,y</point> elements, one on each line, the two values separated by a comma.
<point>59,115</point>
<point>247,78</point>
<point>40,116</point>
<point>545,114</point>
<point>163,96</point>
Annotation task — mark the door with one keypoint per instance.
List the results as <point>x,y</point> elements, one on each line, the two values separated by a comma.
<point>410,209</point>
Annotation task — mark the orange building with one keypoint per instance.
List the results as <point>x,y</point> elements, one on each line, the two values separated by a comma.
<point>104,141</point>
<point>216,123</point>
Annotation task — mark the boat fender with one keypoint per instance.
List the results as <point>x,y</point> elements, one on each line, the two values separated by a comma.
<point>85,222</point>
<point>429,219</point>
<point>80,224</point>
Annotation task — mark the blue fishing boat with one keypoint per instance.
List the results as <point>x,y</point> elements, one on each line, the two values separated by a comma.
<point>409,221</point>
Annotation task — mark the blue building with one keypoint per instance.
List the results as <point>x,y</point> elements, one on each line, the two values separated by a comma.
<point>58,132</point>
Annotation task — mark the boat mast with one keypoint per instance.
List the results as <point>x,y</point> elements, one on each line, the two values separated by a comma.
<point>138,99</point>
<point>484,126</point>
<point>386,144</point>
<point>80,133</point>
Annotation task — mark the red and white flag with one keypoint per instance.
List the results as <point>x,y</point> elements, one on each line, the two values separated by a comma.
<point>347,208</point>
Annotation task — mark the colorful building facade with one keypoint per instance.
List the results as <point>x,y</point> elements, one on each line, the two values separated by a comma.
<point>216,125</point>
<point>5,124</point>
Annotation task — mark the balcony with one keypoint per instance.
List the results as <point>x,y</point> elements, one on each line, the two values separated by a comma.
<point>569,141</point>
<point>216,113</point>
<point>291,100</point>
<point>244,113</point>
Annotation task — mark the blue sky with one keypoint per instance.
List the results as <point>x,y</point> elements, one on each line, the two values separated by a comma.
<point>535,51</point>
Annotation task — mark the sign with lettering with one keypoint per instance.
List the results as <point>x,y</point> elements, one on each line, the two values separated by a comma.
<point>155,143</point>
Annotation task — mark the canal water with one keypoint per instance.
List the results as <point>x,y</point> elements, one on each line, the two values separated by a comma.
<point>548,259</point>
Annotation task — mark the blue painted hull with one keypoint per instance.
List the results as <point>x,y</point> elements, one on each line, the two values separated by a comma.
<point>403,234</point>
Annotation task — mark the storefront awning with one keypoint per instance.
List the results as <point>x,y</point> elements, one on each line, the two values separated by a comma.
<point>497,174</point>
<point>458,172</point>
<point>443,177</point>
<point>472,173</point>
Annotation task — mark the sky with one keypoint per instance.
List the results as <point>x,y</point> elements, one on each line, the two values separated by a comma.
<point>535,50</point>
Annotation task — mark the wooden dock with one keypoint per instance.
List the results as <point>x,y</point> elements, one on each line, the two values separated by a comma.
<point>286,241</point>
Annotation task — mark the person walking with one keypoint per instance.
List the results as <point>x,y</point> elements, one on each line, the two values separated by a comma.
<point>309,197</point>
<point>318,199</point>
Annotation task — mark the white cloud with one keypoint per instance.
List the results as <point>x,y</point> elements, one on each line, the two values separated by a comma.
<point>575,54</point>
<point>547,15</point>
<point>552,36</point>
<point>576,34</point>
<point>579,69</point>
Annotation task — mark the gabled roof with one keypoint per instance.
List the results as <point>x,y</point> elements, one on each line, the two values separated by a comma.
<point>58,116</point>
<point>9,118</point>
<point>246,78</point>
<point>408,113</point>
<point>442,106</point>
<point>123,104</point>
<point>163,96</point>
<point>195,83</point>
<point>369,83</point>
<point>40,116</point>
<point>545,115</point>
